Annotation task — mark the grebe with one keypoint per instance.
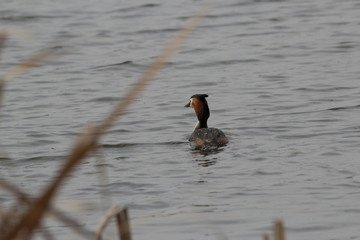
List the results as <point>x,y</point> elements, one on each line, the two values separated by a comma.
<point>204,137</point>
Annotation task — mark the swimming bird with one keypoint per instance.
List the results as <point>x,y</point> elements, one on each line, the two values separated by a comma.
<point>202,136</point>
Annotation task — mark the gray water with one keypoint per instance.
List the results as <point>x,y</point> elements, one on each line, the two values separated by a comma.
<point>283,84</point>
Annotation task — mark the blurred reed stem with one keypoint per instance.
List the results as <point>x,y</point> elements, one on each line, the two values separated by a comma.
<point>122,219</point>
<point>23,198</point>
<point>89,138</point>
<point>279,230</point>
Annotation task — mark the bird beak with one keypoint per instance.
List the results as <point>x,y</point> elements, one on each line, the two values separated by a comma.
<point>188,104</point>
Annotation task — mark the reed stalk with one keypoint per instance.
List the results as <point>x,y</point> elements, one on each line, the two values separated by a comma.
<point>279,230</point>
<point>89,138</point>
<point>123,223</point>
<point>23,198</point>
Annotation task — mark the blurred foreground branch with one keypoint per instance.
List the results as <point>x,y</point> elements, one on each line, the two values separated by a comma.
<point>23,65</point>
<point>88,139</point>
<point>23,198</point>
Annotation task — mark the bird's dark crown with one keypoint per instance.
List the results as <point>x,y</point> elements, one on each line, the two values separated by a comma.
<point>199,96</point>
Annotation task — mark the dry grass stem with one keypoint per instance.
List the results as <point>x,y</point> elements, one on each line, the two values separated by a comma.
<point>110,213</point>
<point>103,179</point>
<point>22,66</point>
<point>17,32</point>
<point>123,224</point>
<point>32,218</point>
<point>20,196</point>
<point>266,236</point>
<point>27,63</point>
<point>279,230</point>
<point>122,221</point>
<point>24,198</point>
<point>1,90</point>
<point>3,37</point>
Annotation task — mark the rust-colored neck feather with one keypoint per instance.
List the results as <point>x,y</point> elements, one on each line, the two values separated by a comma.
<point>202,111</point>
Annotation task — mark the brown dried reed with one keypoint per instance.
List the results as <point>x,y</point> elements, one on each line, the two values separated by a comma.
<point>87,140</point>
<point>278,231</point>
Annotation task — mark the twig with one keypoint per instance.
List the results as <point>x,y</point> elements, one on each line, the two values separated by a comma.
<point>122,221</point>
<point>32,218</point>
<point>279,230</point>
<point>123,224</point>
<point>27,63</point>
<point>3,37</point>
<point>21,196</point>
<point>22,66</point>
<point>266,236</point>
<point>103,179</point>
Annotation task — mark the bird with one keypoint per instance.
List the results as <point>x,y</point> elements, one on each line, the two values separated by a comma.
<point>202,136</point>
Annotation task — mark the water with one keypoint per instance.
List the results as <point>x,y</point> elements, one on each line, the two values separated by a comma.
<point>283,84</point>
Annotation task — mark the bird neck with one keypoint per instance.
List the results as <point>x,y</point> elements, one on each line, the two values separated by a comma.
<point>200,125</point>
<point>203,113</point>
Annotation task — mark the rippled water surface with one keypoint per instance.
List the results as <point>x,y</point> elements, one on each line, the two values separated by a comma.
<point>283,84</point>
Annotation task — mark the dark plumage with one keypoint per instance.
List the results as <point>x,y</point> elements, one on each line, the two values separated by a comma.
<point>208,137</point>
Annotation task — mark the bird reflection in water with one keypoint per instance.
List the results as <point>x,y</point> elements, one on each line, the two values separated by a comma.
<point>206,161</point>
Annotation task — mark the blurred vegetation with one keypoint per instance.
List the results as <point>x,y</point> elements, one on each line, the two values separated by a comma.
<point>27,213</point>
